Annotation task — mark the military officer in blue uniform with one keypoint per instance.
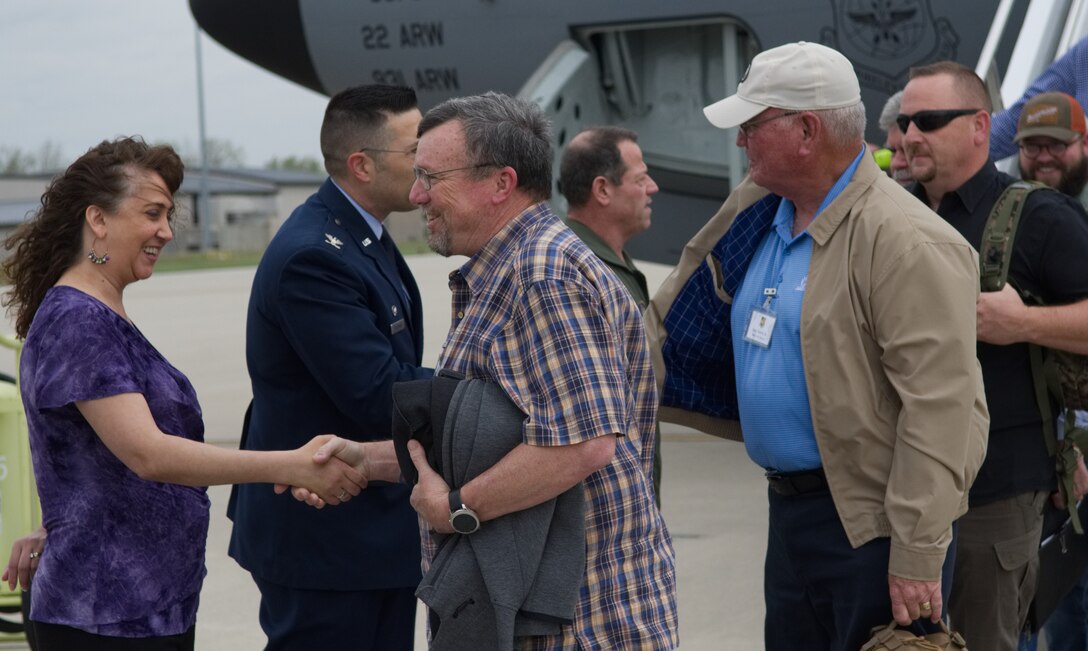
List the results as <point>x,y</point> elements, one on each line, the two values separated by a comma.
<point>334,320</point>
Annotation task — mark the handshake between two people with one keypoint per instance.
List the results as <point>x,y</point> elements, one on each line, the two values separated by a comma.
<point>327,480</point>
<point>359,463</point>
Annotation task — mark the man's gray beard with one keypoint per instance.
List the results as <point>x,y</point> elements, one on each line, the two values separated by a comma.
<point>439,243</point>
<point>902,176</point>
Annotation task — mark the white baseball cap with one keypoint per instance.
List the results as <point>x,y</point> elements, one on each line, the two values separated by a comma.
<point>797,76</point>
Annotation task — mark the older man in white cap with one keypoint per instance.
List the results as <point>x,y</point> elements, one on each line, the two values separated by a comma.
<point>830,316</point>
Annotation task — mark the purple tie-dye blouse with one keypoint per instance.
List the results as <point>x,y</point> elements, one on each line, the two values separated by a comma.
<point>124,556</point>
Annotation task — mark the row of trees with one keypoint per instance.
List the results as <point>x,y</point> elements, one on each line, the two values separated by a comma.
<point>14,160</point>
<point>48,157</point>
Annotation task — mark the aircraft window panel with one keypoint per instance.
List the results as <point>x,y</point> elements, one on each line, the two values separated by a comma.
<point>648,75</point>
<point>654,79</point>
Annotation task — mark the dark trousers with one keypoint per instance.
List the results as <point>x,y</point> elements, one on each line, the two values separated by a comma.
<point>997,570</point>
<point>28,626</point>
<point>821,593</point>
<point>55,637</point>
<point>303,620</point>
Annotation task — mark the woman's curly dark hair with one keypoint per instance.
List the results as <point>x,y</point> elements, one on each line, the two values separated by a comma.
<point>51,241</point>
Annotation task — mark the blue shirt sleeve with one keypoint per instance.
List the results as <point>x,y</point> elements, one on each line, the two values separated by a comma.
<point>1068,74</point>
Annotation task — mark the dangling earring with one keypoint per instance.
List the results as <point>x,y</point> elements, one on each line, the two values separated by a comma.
<point>98,259</point>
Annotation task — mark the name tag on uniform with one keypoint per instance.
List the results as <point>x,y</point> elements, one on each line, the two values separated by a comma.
<point>397,326</point>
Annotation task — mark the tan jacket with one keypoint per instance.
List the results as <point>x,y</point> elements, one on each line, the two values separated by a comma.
<point>888,339</point>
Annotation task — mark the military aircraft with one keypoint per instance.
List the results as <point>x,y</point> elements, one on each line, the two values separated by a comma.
<point>649,65</point>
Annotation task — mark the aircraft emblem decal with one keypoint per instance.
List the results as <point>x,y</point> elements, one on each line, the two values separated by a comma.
<point>335,242</point>
<point>884,39</point>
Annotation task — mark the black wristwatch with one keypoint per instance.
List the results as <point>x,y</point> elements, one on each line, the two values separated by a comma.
<point>463,519</point>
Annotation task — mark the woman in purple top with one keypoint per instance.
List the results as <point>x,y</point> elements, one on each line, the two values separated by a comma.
<point>116,431</point>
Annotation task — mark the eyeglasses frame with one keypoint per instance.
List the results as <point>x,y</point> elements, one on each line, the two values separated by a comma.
<point>1048,147</point>
<point>747,127</point>
<point>427,179</point>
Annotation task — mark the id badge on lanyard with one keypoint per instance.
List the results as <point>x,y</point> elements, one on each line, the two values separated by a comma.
<point>761,321</point>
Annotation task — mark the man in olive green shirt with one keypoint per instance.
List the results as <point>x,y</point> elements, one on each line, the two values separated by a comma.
<point>608,190</point>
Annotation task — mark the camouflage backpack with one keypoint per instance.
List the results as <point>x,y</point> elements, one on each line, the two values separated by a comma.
<point>892,638</point>
<point>1060,377</point>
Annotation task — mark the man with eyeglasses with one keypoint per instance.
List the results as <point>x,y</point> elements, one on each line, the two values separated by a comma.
<point>946,122</point>
<point>828,315</point>
<point>538,314</point>
<point>1067,74</point>
<point>1050,135</point>
<point>334,320</point>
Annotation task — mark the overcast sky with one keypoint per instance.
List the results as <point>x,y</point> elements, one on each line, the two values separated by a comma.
<point>75,72</point>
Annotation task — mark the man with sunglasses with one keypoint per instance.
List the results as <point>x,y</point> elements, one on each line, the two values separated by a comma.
<point>946,122</point>
<point>334,320</point>
<point>829,316</point>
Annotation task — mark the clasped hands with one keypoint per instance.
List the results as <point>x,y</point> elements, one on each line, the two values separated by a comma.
<point>328,480</point>
<point>429,496</point>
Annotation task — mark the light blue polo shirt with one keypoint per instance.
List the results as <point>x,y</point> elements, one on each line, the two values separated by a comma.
<point>771,388</point>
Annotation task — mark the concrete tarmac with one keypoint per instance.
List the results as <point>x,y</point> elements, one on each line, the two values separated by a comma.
<point>714,497</point>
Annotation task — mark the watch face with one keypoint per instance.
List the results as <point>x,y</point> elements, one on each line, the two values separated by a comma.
<point>464,522</point>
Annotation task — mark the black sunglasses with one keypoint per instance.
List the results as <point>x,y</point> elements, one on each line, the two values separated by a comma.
<point>927,121</point>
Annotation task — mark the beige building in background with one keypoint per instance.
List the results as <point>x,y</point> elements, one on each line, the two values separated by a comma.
<point>247,207</point>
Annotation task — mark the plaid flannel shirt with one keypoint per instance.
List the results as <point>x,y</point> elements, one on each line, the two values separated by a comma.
<point>536,312</point>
